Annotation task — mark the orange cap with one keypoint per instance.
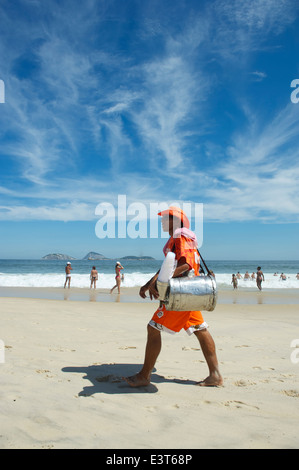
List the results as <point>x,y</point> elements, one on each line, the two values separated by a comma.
<point>176,212</point>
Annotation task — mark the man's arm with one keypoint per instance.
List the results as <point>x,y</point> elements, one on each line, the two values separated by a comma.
<point>151,284</point>
<point>182,267</point>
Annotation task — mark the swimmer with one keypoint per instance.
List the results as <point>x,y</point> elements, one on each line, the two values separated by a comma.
<point>234,281</point>
<point>259,277</point>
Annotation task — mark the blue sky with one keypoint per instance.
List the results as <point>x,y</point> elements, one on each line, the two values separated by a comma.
<point>158,100</point>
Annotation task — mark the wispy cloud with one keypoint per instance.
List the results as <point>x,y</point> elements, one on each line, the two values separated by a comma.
<point>73,211</point>
<point>88,119</point>
<point>169,87</point>
<point>259,76</point>
<point>240,26</point>
<point>49,88</point>
<point>260,177</point>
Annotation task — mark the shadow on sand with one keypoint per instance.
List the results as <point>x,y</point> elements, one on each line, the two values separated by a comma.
<point>108,378</point>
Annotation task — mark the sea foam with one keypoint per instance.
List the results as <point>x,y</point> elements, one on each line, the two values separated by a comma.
<point>135,279</point>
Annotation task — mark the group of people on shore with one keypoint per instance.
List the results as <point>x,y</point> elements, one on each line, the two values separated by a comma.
<point>258,276</point>
<point>94,276</point>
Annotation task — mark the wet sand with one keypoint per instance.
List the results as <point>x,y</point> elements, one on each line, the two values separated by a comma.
<point>240,296</point>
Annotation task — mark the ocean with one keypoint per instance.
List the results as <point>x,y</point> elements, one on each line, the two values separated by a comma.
<point>50,273</point>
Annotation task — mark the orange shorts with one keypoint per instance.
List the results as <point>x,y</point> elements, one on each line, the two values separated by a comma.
<point>173,321</point>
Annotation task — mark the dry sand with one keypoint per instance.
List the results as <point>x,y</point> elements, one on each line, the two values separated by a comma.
<point>61,383</point>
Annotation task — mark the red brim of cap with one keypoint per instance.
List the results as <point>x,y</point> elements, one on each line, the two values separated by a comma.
<point>175,212</point>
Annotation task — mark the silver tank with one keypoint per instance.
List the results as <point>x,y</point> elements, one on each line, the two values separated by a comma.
<point>189,293</point>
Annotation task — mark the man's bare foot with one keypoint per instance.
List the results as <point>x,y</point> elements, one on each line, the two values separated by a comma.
<point>211,381</point>
<point>137,381</point>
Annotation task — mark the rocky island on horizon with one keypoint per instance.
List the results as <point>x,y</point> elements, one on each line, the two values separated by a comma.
<point>56,256</point>
<point>93,256</point>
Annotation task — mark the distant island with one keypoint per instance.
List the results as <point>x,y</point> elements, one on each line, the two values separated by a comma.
<point>55,256</point>
<point>92,255</point>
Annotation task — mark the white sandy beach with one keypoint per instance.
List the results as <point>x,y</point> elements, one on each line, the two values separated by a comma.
<point>61,383</point>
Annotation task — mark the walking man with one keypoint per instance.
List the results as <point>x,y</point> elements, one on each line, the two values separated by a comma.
<point>184,244</point>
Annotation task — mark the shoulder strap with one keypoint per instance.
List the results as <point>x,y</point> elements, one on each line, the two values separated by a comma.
<point>201,259</point>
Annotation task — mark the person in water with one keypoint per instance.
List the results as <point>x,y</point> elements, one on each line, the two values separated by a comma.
<point>68,276</point>
<point>118,268</point>
<point>93,277</point>
<point>184,244</point>
<point>259,277</point>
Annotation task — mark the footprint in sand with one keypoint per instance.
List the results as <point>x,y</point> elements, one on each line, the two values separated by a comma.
<point>45,371</point>
<point>239,404</point>
<point>263,368</point>
<point>243,383</point>
<point>291,393</point>
<point>62,350</point>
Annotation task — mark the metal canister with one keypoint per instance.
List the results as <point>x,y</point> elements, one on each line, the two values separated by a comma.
<point>163,288</point>
<point>195,293</point>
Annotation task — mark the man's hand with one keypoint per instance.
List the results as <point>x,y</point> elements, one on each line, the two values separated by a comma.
<point>151,287</point>
<point>153,290</point>
<point>142,291</point>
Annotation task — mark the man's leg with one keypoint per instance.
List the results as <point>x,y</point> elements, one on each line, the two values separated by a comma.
<point>152,351</point>
<point>209,351</point>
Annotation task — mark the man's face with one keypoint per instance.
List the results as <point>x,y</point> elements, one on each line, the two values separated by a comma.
<point>166,223</point>
<point>170,223</point>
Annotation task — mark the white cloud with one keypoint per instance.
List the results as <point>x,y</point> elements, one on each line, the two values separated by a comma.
<point>242,26</point>
<point>73,211</point>
<point>172,91</point>
<point>260,178</point>
<point>164,97</point>
<point>259,76</point>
